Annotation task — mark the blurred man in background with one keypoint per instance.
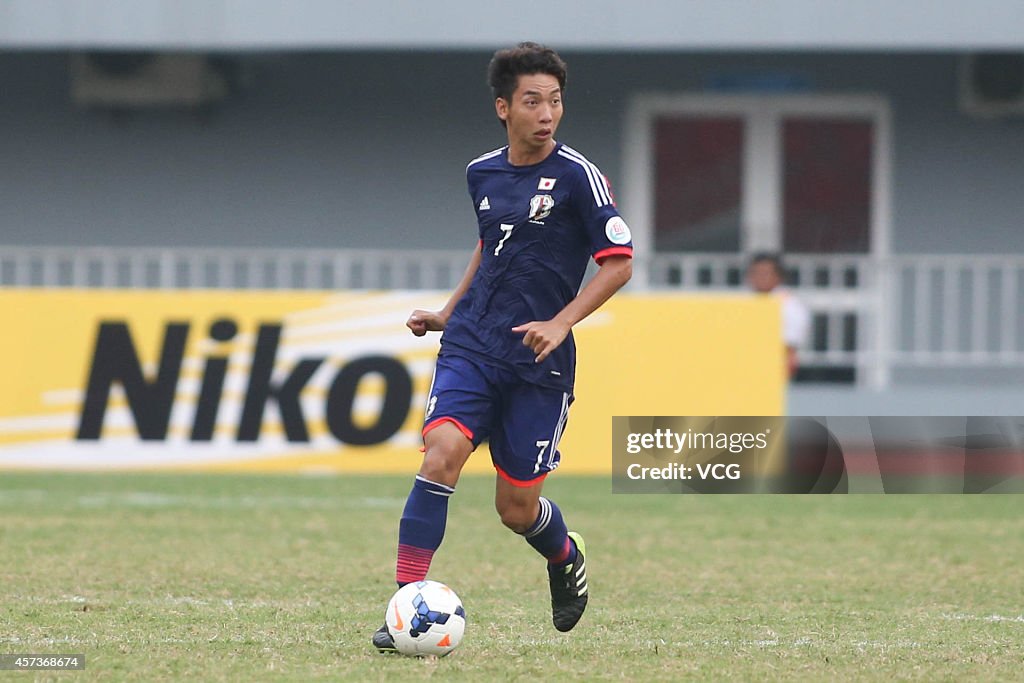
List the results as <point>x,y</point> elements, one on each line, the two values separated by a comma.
<point>765,275</point>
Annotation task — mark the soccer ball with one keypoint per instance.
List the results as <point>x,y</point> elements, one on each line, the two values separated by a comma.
<point>426,618</point>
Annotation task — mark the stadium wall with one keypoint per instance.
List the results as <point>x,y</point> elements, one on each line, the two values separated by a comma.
<point>368,148</point>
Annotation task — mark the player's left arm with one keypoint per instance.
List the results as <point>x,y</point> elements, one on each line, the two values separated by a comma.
<point>545,336</point>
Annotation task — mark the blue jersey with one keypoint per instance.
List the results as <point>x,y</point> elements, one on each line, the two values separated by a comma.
<point>539,226</point>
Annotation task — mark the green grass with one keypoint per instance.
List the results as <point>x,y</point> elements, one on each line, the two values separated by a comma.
<point>166,577</point>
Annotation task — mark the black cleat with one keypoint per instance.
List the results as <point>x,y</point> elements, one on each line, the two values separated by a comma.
<point>383,641</point>
<point>569,589</point>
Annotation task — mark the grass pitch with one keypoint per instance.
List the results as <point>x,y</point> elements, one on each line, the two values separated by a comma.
<point>217,577</point>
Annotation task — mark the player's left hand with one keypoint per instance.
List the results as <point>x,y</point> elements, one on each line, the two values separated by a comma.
<point>542,337</point>
<point>421,322</point>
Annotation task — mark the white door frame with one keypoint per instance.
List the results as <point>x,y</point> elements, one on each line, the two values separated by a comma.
<point>761,195</point>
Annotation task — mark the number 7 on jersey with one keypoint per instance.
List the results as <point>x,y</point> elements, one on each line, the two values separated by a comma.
<point>507,229</point>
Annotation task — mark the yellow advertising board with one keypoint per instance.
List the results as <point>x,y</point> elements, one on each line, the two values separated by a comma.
<point>318,381</point>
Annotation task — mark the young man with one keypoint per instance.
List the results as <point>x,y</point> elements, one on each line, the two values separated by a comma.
<point>765,275</point>
<point>506,367</point>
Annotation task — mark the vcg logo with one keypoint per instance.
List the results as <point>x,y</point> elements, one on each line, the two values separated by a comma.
<point>115,359</point>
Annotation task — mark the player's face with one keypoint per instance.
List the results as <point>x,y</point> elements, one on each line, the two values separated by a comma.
<point>763,277</point>
<point>533,113</point>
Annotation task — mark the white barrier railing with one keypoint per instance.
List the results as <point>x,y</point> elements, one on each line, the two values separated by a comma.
<point>230,268</point>
<point>869,314</point>
<point>840,291</point>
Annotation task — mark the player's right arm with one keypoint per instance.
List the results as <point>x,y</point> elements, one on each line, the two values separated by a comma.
<point>421,322</point>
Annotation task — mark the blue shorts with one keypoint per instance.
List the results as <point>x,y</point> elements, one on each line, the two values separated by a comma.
<point>522,421</point>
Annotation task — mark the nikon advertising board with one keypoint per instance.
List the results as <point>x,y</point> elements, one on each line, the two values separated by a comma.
<point>101,379</point>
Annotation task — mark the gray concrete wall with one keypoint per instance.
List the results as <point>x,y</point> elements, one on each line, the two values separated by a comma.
<point>368,149</point>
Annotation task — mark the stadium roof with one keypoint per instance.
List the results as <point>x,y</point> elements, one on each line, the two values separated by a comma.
<point>469,24</point>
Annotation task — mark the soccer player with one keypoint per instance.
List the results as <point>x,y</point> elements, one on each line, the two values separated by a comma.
<point>506,367</point>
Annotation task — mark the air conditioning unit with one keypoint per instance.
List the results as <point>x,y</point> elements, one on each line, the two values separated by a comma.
<point>992,84</point>
<point>144,79</point>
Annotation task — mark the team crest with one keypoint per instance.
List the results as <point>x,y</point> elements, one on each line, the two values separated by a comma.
<point>540,207</point>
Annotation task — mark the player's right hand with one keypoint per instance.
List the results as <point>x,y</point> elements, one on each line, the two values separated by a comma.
<point>421,322</point>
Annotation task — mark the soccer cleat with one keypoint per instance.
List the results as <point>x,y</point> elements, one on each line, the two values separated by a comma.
<point>569,588</point>
<point>383,641</point>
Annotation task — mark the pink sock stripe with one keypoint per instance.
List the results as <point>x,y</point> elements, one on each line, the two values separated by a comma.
<point>413,563</point>
<point>562,556</point>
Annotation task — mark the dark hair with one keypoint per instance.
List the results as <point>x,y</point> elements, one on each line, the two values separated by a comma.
<point>771,257</point>
<point>525,58</point>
